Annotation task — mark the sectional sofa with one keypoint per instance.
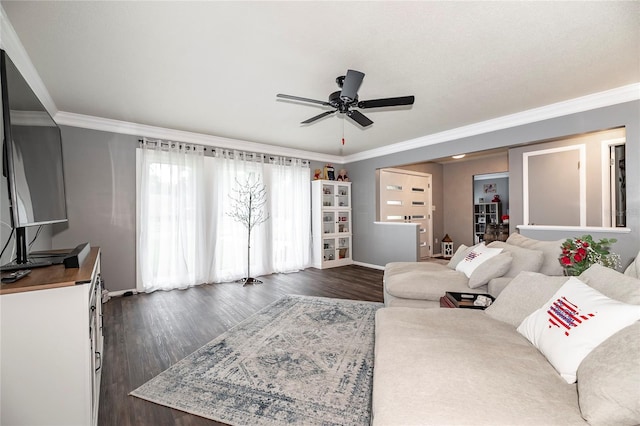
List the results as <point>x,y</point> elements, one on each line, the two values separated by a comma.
<point>502,366</point>
<point>421,284</point>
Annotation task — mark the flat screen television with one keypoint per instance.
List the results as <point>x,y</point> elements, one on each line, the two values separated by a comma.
<point>32,158</point>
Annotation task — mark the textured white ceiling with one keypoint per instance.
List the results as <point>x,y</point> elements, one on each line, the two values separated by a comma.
<point>216,67</point>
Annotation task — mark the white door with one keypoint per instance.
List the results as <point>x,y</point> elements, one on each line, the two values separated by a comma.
<point>405,196</point>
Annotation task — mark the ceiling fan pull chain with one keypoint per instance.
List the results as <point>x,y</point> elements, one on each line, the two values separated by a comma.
<point>342,132</point>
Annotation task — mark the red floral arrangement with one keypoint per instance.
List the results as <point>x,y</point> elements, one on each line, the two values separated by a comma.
<point>578,254</point>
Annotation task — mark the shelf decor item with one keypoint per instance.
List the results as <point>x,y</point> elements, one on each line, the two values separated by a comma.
<point>329,172</point>
<point>578,254</point>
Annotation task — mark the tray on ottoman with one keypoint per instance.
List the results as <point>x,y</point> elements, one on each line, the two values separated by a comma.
<point>453,299</point>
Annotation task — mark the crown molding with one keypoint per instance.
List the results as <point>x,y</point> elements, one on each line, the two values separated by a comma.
<point>615,96</point>
<point>31,118</point>
<point>142,130</point>
<point>606,98</point>
<point>11,44</point>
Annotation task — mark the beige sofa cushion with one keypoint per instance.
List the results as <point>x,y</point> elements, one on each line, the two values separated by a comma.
<point>634,267</point>
<point>393,301</point>
<point>550,249</point>
<point>422,280</point>
<point>609,380</point>
<point>613,284</point>
<point>492,268</point>
<point>460,366</point>
<point>525,294</point>
<point>496,285</point>
<point>523,259</point>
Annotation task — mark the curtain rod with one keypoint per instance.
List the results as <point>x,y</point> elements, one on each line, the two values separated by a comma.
<point>214,149</point>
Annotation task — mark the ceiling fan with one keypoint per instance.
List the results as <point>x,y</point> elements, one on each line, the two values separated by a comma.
<point>347,98</point>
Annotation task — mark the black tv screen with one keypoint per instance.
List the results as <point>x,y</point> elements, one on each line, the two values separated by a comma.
<point>33,154</point>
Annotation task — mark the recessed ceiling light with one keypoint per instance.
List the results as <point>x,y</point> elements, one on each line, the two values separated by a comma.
<point>457,157</point>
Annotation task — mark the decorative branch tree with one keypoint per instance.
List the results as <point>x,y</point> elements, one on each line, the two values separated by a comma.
<point>249,199</point>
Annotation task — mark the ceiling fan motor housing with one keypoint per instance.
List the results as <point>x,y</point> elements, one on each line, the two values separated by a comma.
<point>337,102</point>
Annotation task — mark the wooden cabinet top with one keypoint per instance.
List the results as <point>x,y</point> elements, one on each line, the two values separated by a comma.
<point>54,276</point>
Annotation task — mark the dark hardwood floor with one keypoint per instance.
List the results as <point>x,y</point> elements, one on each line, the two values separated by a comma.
<point>147,333</point>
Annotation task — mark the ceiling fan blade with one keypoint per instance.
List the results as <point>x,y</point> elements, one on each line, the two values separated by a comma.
<point>359,118</point>
<point>298,98</point>
<point>386,102</point>
<point>318,117</point>
<point>351,85</point>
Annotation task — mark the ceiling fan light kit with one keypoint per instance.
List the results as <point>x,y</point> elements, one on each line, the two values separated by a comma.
<point>344,100</point>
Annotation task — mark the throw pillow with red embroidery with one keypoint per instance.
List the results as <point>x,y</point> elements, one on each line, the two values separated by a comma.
<point>573,322</point>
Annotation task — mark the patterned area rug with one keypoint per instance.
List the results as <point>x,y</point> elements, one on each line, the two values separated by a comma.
<point>301,360</point>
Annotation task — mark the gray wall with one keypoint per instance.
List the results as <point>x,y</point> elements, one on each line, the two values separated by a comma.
<point>459,198</point>
<point>502,189</point>
<point>100,179</point>
<point>362,173</point>
<point>593,170</point>
<point>100,174</point>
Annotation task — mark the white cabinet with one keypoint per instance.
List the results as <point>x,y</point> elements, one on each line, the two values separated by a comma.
<point>331,223</point>
<point>51,346</point>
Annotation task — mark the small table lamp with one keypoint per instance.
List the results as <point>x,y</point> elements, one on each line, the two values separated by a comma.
<point>447,246</point>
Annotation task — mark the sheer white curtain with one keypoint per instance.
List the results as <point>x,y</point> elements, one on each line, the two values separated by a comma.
<point>282,244</point>
<point>171,226</point>
<point>228,238</point>
<point>186,236</point>
<point>291,214</point>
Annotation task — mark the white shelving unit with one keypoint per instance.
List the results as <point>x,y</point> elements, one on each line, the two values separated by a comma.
<point>483,215</point>
<point>331,223</point>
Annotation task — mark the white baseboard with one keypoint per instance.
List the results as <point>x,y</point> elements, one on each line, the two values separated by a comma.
<point>122,292</point>
<point>369,265</point>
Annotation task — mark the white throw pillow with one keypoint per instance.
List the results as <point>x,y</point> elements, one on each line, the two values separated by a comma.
<point>573,322</point>
<point>458,256</point>
<point>475,257</point>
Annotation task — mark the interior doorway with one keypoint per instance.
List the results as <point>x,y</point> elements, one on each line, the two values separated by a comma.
<point>405,196</point>
<point>614,183</point>
<point>490,202</point>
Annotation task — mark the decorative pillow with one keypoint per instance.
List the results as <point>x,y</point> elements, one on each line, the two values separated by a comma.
<point>494,267</point>
<point>458,256</point>
<point>609,380</point>
<point>612,283</point>
<point>475,257</point>
<point>633,270</point>
<point>551,250</point>
<point>575,321</point>
<point>523,295</point>
<point>523,259</point>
